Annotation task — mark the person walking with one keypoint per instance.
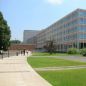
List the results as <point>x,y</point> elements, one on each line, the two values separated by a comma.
<point>24,51</point>
<point>27,52</point>
<point>16,53</point>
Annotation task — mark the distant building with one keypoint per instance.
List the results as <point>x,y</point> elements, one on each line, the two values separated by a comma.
<point>29,36</point>
<point>32,40</point>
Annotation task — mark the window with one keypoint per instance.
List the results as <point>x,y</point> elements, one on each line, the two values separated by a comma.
<point>82,28</point>
<point>82,36</point>
<point>82,13</point>
<point>82,21</point>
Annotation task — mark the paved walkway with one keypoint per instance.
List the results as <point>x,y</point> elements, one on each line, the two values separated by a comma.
<point>15,71</point>
<point>74,58</point>
<point>60,68</point>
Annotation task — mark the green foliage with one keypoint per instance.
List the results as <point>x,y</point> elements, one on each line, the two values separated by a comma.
<point>50,47</point>
<point>15,41</point>
<point>47,54</point>
<point>51,62</point>
<point>5,33</point>
<point>83,52</point>
<point>41,54</point>
<point>75,77</point>
<point>72,51</point>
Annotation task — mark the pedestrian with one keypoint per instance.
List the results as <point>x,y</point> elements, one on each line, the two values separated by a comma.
<point>24,51</point>
<point>21,52</point>
<point>27,52</point>
<point>16,53</point>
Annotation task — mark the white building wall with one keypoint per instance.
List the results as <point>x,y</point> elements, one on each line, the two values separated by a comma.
<point>64,32</point>
<point>28,34</point>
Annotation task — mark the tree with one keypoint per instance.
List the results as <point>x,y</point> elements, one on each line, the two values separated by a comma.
<point>5,33</point>
<point>15,41</point>
<point>50,46</point>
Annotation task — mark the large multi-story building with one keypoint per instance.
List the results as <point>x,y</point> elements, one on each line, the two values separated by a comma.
<point>29,36</point>
<point>70,31</point>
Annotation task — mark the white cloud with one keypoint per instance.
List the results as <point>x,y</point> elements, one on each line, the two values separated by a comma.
<point>55,2</point>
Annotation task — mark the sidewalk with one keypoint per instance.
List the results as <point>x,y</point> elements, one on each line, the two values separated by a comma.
<point>15,71</point>
<point>60,68</point>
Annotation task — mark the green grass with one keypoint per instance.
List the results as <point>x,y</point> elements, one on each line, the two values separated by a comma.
<point>47,54</point>
<point>65,77</point>
<point>37,62</point>
<point>54,54</point>
<point>73,77</point>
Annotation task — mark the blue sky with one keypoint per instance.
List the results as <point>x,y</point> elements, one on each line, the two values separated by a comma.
<point>35,14</point>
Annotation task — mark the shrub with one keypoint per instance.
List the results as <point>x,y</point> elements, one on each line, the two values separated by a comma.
<point>72,51</point>
<point>83,51</point>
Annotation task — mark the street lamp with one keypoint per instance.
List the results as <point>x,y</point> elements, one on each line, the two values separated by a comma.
<point>8,52</point>
<point>2,52</point>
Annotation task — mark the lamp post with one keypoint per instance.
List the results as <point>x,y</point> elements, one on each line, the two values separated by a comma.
<point>2,52</point>
<point>8,52</point>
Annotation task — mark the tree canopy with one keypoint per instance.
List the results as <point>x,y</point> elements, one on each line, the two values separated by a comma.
<point>50,46</point>
<point>15,41</point>
<point>5,33</point>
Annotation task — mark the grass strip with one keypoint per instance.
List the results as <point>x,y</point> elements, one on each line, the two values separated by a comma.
<point>38,62</point>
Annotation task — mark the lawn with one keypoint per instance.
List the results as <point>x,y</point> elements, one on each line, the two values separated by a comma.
<point>37,62</point>
<point>65,77</point>
<point>47,54</point>
<point>74,77</point>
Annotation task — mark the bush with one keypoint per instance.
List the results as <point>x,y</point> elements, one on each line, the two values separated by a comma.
<point>72,51</point>
<point>83,52</point>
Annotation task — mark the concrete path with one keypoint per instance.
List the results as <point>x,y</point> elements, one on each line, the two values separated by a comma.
<point>74,58</point>
<point>15,71</point>
<point>60,68</point>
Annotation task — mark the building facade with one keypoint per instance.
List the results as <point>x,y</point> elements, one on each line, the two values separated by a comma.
<point>29,36</point>
<point>68,32</point>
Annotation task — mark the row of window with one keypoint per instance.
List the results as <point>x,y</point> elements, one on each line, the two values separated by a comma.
<point>69,17</point>
<point>82,14</point>
<point>82,28</point>
<point>70,24</point>
<point>82,21</point>
<point>82,36</point>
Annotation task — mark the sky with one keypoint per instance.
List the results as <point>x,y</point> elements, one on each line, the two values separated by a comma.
<point>35,14</point>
